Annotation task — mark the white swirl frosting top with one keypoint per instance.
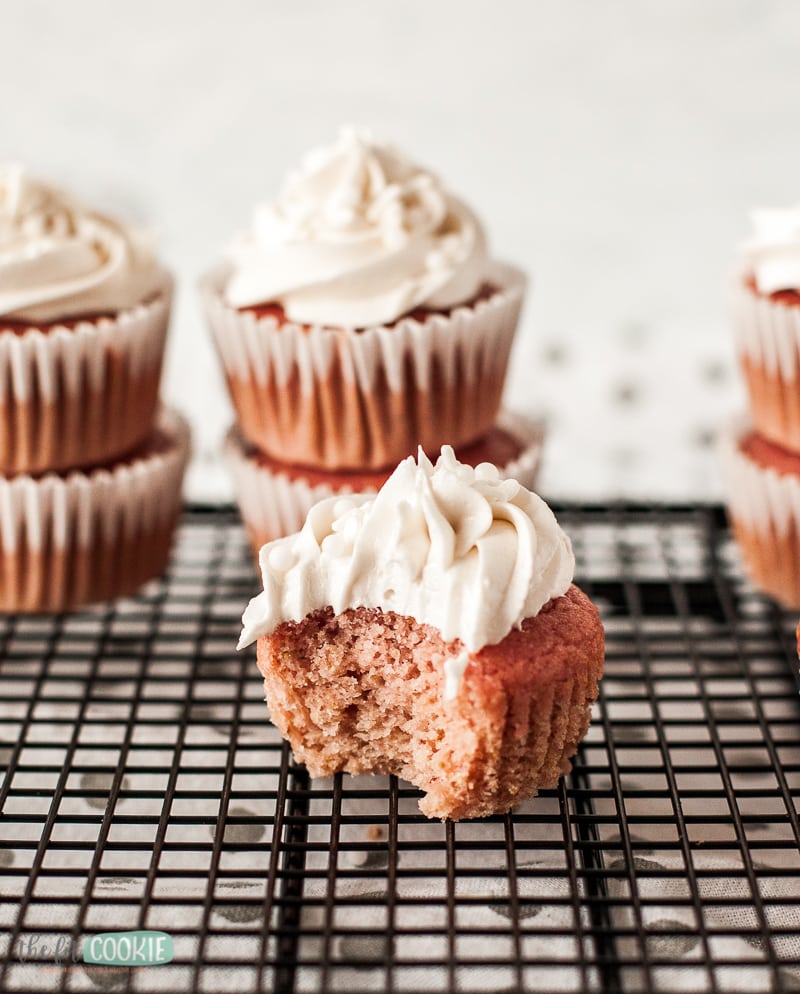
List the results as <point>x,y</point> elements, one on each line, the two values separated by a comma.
<point>60,260</point>
<point>358,237</point>
<point>453,547</point>
<point>773,252</point>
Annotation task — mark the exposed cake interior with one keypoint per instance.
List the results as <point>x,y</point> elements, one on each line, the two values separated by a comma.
<point>367,691</point>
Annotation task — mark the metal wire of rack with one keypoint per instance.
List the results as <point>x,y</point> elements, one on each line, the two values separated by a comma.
<point>145,788</point>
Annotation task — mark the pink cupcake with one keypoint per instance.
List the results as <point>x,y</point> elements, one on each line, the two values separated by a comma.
<point>430,631</point>
<point>766,318</point>
<point>361,315</point>
<point>84,307</point>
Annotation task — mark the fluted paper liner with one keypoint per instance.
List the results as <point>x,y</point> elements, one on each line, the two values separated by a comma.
<point>764,511</point>
<point>767,335</point>
<point>77,396</point>
<point>273,504</point>
<point>84,537</point>
<point>333,398</point>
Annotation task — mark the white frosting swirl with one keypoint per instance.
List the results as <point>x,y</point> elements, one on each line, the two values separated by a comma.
<point>451,546</point>
<point>773,252</point>
<point>358,237</point>
<point>59,260</point>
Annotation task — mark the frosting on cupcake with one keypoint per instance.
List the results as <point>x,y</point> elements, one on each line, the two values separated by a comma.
<point>359,236</point>
<point>454,547</point>
<point>773,252</point>
<point>60,260</point>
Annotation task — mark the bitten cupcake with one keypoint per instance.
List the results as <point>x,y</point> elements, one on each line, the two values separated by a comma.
<point>763,487</point>
<point>361,316</point>
<point>84,307</point>
<point>274,499</point>
<point>432,631</point>
<point>766,318</point>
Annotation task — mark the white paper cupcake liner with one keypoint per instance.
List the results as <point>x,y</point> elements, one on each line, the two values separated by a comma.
<point>761,497</point>
<point>275,503</point>
<point>766,330</point>
<point>768,341</point>
<point>82,537</point>
<point>339,398</point>
<point>764,511</point>
<point>83,395</point>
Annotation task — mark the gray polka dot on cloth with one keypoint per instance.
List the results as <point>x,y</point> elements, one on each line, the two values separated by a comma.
<point>107,978</point>
<point>554,355</point>
<point>670,939</point>
<point>639,863</point>
<point>364,950</point>
<point>733,712</point>
<point>202,715</point>
<point>244,834</point>
<point>786,983</point>
<point>526,909</point>
<point>239,913</point>
<point>704,438</point>
<point>99,781</point>
<point>628,734</point>
<point>714,371</point>
<point>626,394</point>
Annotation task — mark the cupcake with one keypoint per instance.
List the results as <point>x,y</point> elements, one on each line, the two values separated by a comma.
<point>361,316</point>
<point>274,498</point>
<point>433,632</point>
<point>84,307</point>
<point>763,486</point>
<point>766,318</point>
<point>76,538</point>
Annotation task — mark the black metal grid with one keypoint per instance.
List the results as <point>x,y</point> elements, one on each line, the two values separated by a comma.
<point>144,788</point>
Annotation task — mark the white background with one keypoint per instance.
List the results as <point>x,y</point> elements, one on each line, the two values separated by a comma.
<point>613,149</point>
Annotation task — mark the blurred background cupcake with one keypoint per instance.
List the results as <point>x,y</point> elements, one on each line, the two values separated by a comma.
<point>766,316</point>
<point>84,308</point>
<point>361,316</point>
<point>761,454</point>
<point>90,472</point>
<point>72,539</point>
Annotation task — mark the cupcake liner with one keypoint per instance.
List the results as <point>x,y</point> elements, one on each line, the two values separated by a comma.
<point>764,512</point>
<point>274,502</point>
<point>85,537</point>
<point>80,395</point>
<point>338,398</point>
<point>767,336</point>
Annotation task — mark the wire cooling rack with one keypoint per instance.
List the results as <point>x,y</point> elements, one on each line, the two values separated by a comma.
<point>144,788</point>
